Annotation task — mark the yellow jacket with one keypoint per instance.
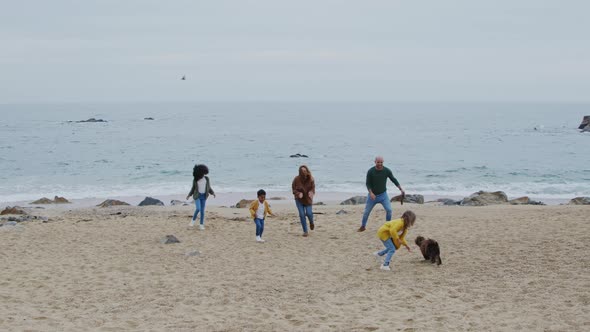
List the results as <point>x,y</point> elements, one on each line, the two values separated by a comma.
<point>391,230</point>
<point>254,207</point>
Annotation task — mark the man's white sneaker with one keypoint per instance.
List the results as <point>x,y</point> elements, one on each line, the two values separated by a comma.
<point>385,268</point>
<point>202,227</point>
<point>261,240</point>
<point>376,253</point>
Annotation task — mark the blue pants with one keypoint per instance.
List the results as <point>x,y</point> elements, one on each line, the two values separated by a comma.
<point>382,199</point>
<point>259,226</point>
<point>389,250</point>
<point>304,210</point>
<point>200,207</point>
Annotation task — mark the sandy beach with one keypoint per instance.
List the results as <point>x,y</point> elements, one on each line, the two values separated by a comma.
<point>105,269</point>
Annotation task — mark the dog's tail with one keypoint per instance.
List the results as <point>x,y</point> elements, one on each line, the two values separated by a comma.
<point>438,260</point>
<point>419,240</point>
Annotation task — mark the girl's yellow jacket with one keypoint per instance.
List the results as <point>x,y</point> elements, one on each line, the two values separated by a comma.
<point>391,230</point>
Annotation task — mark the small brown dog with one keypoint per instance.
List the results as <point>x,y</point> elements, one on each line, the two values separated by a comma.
<point>429,249</point>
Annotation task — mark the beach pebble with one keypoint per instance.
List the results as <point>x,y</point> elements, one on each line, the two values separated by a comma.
<point>169,239</point>
<point>193,253</point>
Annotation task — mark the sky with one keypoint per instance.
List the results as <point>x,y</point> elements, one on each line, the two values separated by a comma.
<point>273,50</point>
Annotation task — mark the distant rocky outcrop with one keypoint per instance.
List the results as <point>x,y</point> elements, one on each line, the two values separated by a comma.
<point>355,200</point>
<point>150,118</point>
<point>585,125</point>
<point>298,155</point>
<point>151,201</point>
<point>276,199</point>
<point>244,203</point>
<point>580,201</point>
<point>112,202</point>
<point>55,200</point>
<point>92,120</point>
<point>482,198</point>
<point>43,200</point>
<point>13,210</point>
<point>417,199</point>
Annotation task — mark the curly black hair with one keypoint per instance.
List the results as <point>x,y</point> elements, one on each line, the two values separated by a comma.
<point>199,171</point>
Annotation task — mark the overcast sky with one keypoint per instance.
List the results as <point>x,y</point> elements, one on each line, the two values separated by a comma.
<point>320,50</point>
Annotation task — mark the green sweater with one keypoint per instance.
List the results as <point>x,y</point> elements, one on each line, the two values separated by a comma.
<point>377,180</point>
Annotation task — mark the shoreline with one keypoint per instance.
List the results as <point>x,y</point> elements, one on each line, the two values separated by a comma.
<point>228,199</point>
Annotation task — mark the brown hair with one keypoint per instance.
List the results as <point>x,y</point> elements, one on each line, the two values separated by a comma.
<point>309,176</point>
<point>409,219</point>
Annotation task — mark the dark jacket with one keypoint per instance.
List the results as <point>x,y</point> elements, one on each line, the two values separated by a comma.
<point>195,193</point>
<point>300,186</point>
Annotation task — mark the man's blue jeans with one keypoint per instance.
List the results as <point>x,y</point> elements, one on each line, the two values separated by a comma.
<point>304,210</point>
<point>259,226</point>
<point>389,250</point>
<point>382,199</point>
<point>200,207</point>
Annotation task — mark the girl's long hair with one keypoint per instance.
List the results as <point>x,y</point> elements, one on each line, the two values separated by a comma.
<point>199,171</point>
<point>309,176</point>
<point>409,219</point>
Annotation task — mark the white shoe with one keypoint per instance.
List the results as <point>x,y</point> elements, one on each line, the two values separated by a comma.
<point>259,239</point>
<point>202,227</point>
<point>385,268</point>
<point>376,253</point>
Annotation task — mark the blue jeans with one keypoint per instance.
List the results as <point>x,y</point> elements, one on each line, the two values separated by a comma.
<point>259,226</point>
<point>200,207</point>
<point>382,199</point>
<point>304,210</point>
<point>389,250</point>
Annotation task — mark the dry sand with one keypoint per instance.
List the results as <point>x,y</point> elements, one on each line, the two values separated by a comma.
<point>504,268</point>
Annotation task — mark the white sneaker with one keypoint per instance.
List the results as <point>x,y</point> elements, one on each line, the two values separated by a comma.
<point>385,268</point>
<point>376,254</point>
<point>202,227</point>
<point>261,240</point>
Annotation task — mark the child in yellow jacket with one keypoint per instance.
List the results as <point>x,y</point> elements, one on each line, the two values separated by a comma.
<point>393,235</point>
<point>259,209</point>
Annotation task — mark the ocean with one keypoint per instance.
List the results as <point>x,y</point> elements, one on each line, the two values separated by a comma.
<point>436,149</point>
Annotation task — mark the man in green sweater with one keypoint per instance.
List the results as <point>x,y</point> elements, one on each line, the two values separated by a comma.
<point>377,186</point>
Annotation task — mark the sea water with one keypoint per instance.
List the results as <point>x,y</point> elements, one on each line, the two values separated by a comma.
<point>441,149</point>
